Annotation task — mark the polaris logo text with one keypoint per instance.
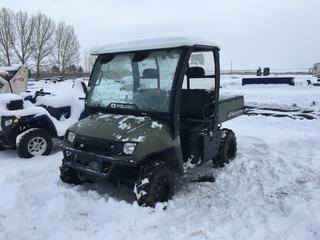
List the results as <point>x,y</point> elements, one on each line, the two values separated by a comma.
<point>122,106</point>
<point>234,114</point>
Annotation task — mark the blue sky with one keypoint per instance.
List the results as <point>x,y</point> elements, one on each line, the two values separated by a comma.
<point>281,34</point>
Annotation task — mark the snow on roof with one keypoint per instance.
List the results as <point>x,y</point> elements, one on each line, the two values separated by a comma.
<point>14,67</point>
<point>155,43</point>
<point>6,98</point>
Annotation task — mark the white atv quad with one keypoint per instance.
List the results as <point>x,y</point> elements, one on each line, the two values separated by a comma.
<point>29,122</point>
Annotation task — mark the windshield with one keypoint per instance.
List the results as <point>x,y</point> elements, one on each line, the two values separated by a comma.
<point>136,81</point>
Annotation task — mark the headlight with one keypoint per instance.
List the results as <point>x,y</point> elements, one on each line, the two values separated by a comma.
<point>8,122</point>
<point>128,148</point>
<point>71,136</point>
<point>11,120</point>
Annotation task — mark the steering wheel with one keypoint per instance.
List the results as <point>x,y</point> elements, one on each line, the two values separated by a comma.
<point>37,94</point>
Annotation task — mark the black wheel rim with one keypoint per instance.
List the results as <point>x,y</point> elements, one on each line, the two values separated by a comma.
<point>160,189</point>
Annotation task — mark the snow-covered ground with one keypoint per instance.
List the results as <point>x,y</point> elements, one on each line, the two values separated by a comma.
<point>301,95</point>
<point>270,191</point>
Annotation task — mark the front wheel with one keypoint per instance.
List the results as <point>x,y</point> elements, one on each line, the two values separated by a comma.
<point>228,148</point>
<point>155,184</point>
<point>34,142</point>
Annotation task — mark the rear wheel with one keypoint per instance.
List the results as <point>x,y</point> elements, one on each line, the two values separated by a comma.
<point>155,184</point>
<point>228,149</point>
<point>34,142</point>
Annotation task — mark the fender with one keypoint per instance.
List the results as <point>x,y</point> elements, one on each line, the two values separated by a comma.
<point>44,122</point>
<point>29,98</point>
<point>170,156</point>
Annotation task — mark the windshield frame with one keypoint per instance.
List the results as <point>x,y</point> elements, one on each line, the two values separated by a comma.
<point>137,111</point>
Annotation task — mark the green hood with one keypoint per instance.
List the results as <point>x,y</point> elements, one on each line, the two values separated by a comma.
<point>125,128</point>
<point>150,135</point>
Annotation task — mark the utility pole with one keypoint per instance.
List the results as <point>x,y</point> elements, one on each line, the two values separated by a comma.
<point>231,68</point>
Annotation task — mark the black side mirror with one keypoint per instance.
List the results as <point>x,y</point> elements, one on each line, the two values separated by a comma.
<point>84,87</point>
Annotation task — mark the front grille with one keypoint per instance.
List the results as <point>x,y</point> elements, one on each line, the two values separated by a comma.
<point>94,164</point>
<point>101,146</point>
<point>91,163</point>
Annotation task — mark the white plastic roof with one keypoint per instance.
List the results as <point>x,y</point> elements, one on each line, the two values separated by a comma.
<point>155,43</point>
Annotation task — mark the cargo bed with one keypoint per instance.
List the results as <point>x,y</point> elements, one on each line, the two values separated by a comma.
<point>230,107</point>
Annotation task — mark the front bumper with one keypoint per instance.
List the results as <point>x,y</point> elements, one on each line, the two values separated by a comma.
<point>103,166</point>
<point>8,134</point>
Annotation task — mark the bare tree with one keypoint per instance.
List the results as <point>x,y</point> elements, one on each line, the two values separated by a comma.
<point>24,27</point>
<point>67,47</point>
<point>6,36</point>
<point>42,39</point>
<point>88,60</point>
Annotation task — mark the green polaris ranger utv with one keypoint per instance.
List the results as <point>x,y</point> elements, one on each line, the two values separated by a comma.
<point>153,105</point>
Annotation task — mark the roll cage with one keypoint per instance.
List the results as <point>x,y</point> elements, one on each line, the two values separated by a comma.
<point>173,116</point>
